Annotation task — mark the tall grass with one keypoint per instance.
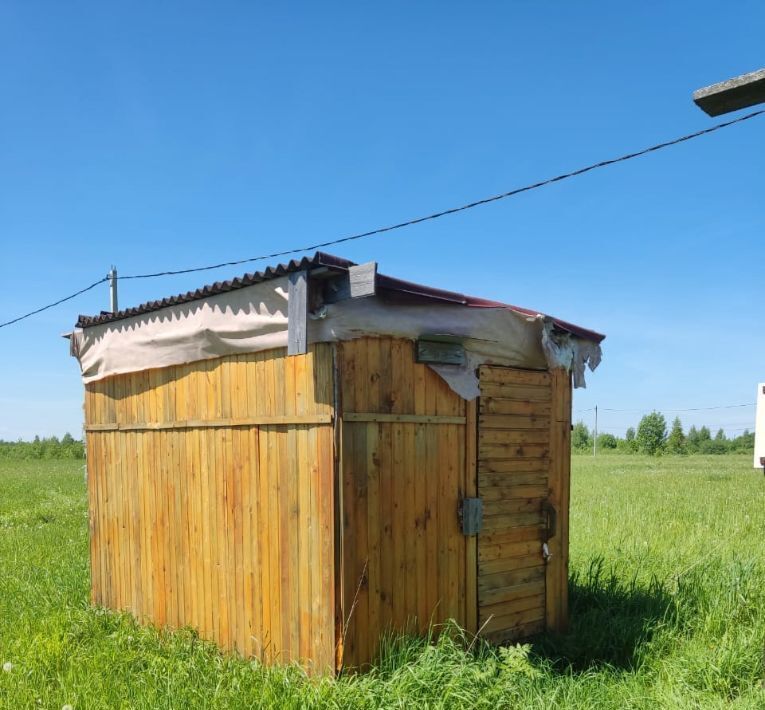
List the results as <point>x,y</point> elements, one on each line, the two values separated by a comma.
<point>667,610</point>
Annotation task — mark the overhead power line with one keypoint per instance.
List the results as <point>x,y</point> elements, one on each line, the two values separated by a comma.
<point>686,409</point>
<point>663,409</point>
<point>454,210</point>
<point>55,303</point>
<point>411,222</point>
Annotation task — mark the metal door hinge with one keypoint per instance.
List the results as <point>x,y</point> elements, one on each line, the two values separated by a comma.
<point>471,515</point>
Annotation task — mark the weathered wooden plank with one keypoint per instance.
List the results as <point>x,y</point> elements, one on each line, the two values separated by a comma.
<point>223,423</point>
<point>496,551</point>
<point>374,573</point>
<point>535,602</point>
<point>516,466</point>
<point>523,393</point>
<point>513,422</point>
<point>487,437</point>
<point>514,620</point>
<point>297,313</point>
<point>496,523</point>
<point>560,480</point>
<point>499,595</point>
<point>509,564</point>
<point>522,533</point>
<point>501,406</point>
<point>362,279</point>
<point>513,377</point>
<point>401,418</point>
<point>508,508</point>
<point>498,479</point>
<point>513,450</point>
<point>510,492</point>
<point>510,578</point>
<point>519,631</point>
<point>471,544</point>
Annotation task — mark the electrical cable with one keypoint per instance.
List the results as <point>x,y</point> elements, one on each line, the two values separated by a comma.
<point>411,222</point>
<point>454,210</point>
<point>55,303</point>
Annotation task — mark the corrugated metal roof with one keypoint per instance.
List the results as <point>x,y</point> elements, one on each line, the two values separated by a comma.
<point>387,285</point>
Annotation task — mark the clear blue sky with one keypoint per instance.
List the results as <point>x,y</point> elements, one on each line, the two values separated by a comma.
<point>165,135</point>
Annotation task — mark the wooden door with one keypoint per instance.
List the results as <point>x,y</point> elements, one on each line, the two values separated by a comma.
<point>519,557</point>
<point>402,476</point>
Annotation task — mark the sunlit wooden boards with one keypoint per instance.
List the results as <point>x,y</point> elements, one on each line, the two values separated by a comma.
<point>403,553</point>
<point>301,508</point>
<point>223,524</point>
<point>519,471</point>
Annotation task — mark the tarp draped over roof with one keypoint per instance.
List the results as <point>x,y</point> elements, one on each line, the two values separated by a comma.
<point>249,314</point>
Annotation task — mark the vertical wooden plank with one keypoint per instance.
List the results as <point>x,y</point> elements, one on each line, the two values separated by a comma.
<point>559,483</point>
<point>153,499</point>
<point>324,596</point>
<point>372,471</point>
<point>399,518</point>
<point>297,313</point>
<point>388,579</point>
<point>94,510</point>
<point>471,491</point>
<point>266,543</point>
<point>205,522</point>
<point>252,526</point>
<point>349,514</point>
<point>417,486</point>
<point>431,473</point>
<point>360,583</point>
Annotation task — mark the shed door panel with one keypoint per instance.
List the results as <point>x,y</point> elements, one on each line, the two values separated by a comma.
<point>403,476</point>
<point>514,453</point>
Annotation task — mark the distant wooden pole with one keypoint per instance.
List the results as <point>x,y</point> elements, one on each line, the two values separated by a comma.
<point>113,290</point>
<point>733,94</point>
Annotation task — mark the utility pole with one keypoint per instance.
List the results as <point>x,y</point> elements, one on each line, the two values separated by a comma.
<point>113,290</point>
<point>733,94</point>
<point>595,436</point>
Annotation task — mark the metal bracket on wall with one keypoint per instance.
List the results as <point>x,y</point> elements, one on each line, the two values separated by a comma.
<point>471,515</point>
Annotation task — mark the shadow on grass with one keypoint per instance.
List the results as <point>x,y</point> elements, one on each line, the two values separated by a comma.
<point>611,621</point>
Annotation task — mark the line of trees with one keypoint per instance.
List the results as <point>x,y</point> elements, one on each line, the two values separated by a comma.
<point>50,447</point>
<point>653,437</point>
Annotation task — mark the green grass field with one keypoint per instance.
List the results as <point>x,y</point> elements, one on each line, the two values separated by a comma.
<point>667,607</point>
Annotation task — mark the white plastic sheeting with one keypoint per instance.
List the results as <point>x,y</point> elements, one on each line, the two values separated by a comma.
<point>254,318</point>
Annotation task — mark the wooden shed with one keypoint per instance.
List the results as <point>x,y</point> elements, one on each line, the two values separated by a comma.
<point>300,460</point>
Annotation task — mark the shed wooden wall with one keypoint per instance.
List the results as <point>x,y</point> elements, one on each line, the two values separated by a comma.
<point>211,500</point>
<point>403,471</point>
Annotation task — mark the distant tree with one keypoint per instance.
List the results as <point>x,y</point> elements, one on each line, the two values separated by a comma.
<point>580,437</point>
<point>630,434</point>
<point>704,434</point>
<point>692,440</point>
<point>676,438</point>
<point>713,446</point>
<point>720,436</point>
<point>607,441</point>
<point>651,433</point>
<point>744,442</point>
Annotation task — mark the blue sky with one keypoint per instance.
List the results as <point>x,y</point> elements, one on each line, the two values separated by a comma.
<point>166,135</point>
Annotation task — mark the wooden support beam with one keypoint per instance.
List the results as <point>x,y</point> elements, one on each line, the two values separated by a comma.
<point>402,418</point>
<point>223,423</point>
<point>297,313</point>
<point>359,282</point>
<point>731,95</point>
<point>363,279</point>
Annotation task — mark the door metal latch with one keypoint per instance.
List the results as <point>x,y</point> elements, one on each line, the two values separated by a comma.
<point>471,515</point>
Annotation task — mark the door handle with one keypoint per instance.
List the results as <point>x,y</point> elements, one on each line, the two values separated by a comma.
<point>552,518</point>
